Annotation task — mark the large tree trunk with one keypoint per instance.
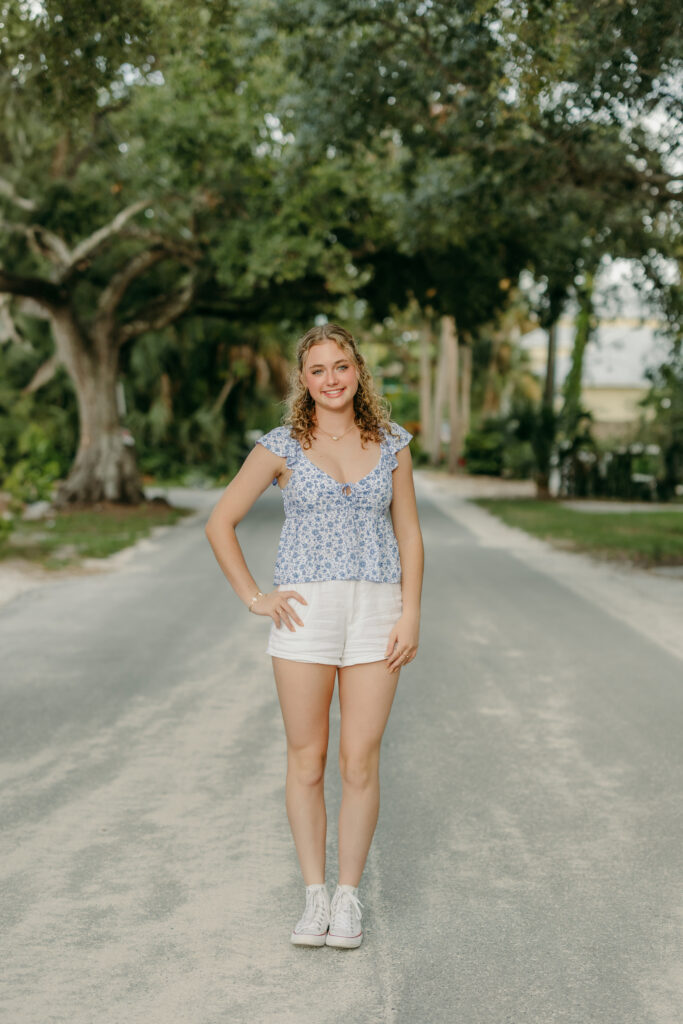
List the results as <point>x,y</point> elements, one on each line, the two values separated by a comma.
<point>465,393</point>
<point>104,468</point>
<point>491,402</point>
<point>425,383</point>
<point>549,387</point>
<point>450,338</point>
<point>440,383</point>
<point>545,429</point>
<point>582,336</point>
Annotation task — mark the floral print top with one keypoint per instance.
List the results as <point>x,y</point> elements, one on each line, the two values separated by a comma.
<point>333,530</point>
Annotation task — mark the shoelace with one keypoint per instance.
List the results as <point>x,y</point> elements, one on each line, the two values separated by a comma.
<point>315,915</point>
<point>345,903</point>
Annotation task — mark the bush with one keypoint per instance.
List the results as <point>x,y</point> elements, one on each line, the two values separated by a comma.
<point>484,450</point>
<point>6,526</point>
<point>33,474</point>
<point>518,460</point>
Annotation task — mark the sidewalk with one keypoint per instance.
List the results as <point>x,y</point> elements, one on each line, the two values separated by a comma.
<point>464,486</point>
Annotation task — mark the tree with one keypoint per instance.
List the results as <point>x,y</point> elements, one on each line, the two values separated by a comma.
<point>512,130</point>
<point>104,466</point>
<point>151,186</point>
<point>76,64</point>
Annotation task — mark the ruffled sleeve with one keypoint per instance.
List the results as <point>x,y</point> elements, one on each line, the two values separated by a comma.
<point>398,439</point>
<point>280,441</point>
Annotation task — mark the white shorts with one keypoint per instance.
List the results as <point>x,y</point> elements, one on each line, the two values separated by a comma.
<point>346,622</point>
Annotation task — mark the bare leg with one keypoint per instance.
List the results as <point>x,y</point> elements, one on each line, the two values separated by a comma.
<point>366,693</point>
<point>305,693</point>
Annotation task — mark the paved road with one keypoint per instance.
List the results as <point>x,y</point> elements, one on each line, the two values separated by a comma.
<point>526,867</point>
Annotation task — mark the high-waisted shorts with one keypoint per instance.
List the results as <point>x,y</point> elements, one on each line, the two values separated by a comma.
<point>346,622</point>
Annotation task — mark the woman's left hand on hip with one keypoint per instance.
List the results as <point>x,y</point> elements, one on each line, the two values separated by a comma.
<point>403,641</point>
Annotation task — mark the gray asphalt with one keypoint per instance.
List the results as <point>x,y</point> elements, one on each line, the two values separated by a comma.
<point>527,863</point>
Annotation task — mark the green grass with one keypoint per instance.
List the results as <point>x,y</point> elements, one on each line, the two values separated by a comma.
<point>76,533</point>
<point>643,538</point>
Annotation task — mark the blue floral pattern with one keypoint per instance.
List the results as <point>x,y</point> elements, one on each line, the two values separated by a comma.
<point>335,531</point>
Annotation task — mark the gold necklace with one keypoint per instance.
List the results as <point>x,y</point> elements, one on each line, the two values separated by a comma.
<point>336,437</point>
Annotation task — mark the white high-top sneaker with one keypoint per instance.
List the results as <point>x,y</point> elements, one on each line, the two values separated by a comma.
<point>345,914</point>
<point>311,929</point>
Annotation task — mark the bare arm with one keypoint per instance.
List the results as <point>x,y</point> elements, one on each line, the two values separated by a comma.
<point>408,534</point>
<point>405,635</point>
<point>258,470</point>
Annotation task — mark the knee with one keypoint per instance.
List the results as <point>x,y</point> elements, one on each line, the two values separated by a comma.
<point>359,770</point>
<point>307,766</point>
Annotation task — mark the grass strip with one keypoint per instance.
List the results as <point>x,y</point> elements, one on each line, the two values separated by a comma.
<point>642,538</point>
<point>67,536</point>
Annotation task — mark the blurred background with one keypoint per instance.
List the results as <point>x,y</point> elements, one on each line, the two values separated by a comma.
<point>488,194</point>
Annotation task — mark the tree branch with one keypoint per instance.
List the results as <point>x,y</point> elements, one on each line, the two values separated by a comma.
<point>161,249</point>
<point>44,292</point>
<point>112,295</point>
<point>98,116</point>
<point>42,242</point>
<point>178,247</point>
<point>88,246</point>
<point>54,247</point>
<point>7,189</point>
<point>8,328</point>
<point>43,374</point>
<point>158,314</point>
<point>223,395</point>
<point>32,308</point>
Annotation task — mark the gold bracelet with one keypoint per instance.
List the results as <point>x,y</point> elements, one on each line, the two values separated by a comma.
<point>254,598</point>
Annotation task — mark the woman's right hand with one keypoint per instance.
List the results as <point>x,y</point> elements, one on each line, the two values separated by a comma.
<point>278,607</point>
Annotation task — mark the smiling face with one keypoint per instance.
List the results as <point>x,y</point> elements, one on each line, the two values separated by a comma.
<point>330,375</point>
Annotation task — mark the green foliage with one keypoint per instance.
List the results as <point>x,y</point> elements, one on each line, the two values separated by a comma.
<point>494,449</point>
<point>34,472</point>
<point>519,461</point>
<point>484,450</point>
<point>173,382</point>
<point>37,431</point>
<point>537,426</point>
<point>6,527</point>
<point>666,399</point>
<point>405,405</point>
<point>498,134</point>
<point>65,51</point>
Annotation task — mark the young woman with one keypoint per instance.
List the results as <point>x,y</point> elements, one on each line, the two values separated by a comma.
<point>348,583</point>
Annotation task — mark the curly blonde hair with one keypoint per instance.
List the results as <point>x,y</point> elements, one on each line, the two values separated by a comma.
<point>372,412</point>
